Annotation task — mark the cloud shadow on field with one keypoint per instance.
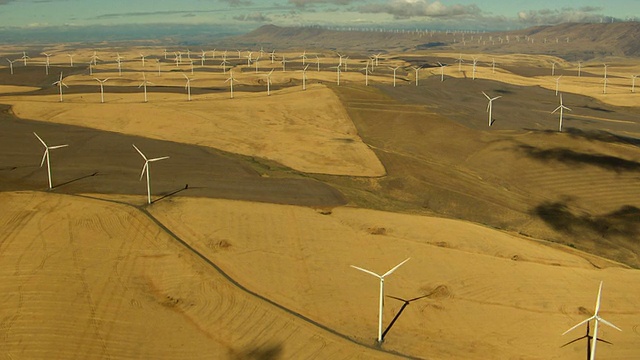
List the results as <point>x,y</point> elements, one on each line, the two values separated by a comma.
<point>593,135</point>
<point>571,157</point>
<point>266,352</point>
<point>622,222</point>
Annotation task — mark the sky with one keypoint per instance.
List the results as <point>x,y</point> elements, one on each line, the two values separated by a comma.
<point>245,15</point>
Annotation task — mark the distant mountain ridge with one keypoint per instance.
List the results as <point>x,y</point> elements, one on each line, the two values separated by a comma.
<point>586,40</point>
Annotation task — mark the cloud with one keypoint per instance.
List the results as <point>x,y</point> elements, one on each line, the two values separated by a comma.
<point>404,9</point>
<point>552,17</point>
<point>253,17</point>
<point>236,3</point>
<point>5,2</point>
<point>303,3</point>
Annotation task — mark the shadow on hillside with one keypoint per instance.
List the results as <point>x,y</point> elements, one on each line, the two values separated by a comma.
<point>571,157</point>
<point>622,222</point>
<point>594,135</point>
<point>266,352</point>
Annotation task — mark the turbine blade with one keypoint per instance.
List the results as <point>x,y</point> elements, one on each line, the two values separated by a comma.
<point>598,299</point>
<point>367,271</point>
<point>140,152</point>
<point>57,146</point>
<point>578,324</point>
<point>558,108</point>
<point>146,163</point>
<point>485,95</point>
<point>158,159</point>
<point>608,323</point>
<point>496,98</point>
<point>39,138</point>
<point>44,156</point>
<point>395,268</point>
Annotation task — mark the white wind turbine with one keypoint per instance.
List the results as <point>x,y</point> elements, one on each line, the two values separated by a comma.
<point>553,68</point>
<point>188,86</point>
<point>60,84</point>
<point>191,64</point>
<point>230,81</point>
<point>145,168</point>
<point>493,65</point>
<point>381,277</point>
<point>224,65</point>
<point>345,63</point>
<point>417,69</point>
<point>25,57</point>
<point>144,84</point>
<point>269,82</point>
<point>459,61</point>
<point>337,72</point>
<point>249,59</point>
<point>101,88</point>
<point>272,55</point>
<point>158,62</point>
<point>70,59</point>
<point>94,58</point>
<point>598,319</point>
<point>558,84</point>
<point>561,108</point>
<point>142,58</point>
<point>377,57</point>
<point>579,68</point>
<point>47,156</point>
<point>366,73</point>
<point>203,57</point>
<point>304,57</point>
<point>441,71</point>
<point>119,61</point>
<point>11,65</point>
<point>304,77</point>
<point>165,54</point>
<point>490,105</point>
<point>318,62</point>
<point>475,62</point>
<point>394,74</point>
<point>284,62</point>
<point>633,83</point>
<point>604,91</point>
<point>47,63</point>
<point>255,61</point>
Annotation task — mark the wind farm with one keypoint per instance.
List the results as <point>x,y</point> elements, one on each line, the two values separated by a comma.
<point>251,240</point>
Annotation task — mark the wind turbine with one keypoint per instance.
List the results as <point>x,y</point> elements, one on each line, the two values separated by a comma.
<point>255,61</point>
<point>366,74</point>
<point>304,77</point>
<point>493,65</point>
<point>158,62</point>
<point>633,83</point>
<point>142,57</point>
<point>394,74</point>
<point>318,62</point>
<point>304,57</point>
<point>145,168</point>
<point>188,86</point>
<point>203,57</point>
<point>272,55</point>
<point>589,339</point>
<point>338,73</point>
<point>490,105</point>
<point>119,61</point>
<point>269,82</point>
<point>144,85</point>
<point>604,91</point>
<point>579,68</point>
<point>70,59</point>
<point>165,54</point>
<point>284,62</point>
<point>47,156</point>
<point>46,64</point>
<point>417,69</point>
<point>561,107</point>
<point>101,88</point>
<point>11,64</point>
<point>25,57</point>
<point>377,57</point>
<point>224,65</point>
<point>553,68</point>
<point>598,319</point>
<point>558,84</point>
<point>230,80</point>
<point>94,58</point>
<point>60,84</point>
<point>475,62</point>
<point>459,61</point>
<point>381,277</point>
<point>249,53</point>
<point>441,71</point>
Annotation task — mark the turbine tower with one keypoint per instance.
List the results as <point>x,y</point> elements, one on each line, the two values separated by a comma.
<point>46,156</point>
<point>304,77</point>
<point>417,69</point>
<point>441,71</point>
<point>11,65</point>
<point>230,81</point>
<point>269,82</point>
<point>145,169</point>
<point>597,319</point>
<point>144,84</point>
<point>188,86</point>
<point>394,74</point>
<point>381,277</point>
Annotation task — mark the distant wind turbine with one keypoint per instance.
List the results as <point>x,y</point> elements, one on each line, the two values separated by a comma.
<point>25,57</point>
<point>558,84</point>
<point>145,169</point>
<point>142,58</point>
<point>417,69</point>
<point>101,88</point>
<point>561,108</point>
<point>475,62</point>
<point>441,71</point>
<point>490,106</point>
<point>459,61</point>
<point>337,72</point>
<point>70,59</point>
<point>144,84</point>
<point>230,81</point>
<point>304,77</point>
<point>203,57</point>
<point>47,155</point>
<point>11,65</point>
<point>60,84</point>
<point>188,86</point>
<point>604,91</point>
<point>318,62</point>
<point>269,82</point>
<point>633,83</point>
<point>381,277</point>
<point>394,74</point>
<point>366,74</point>
<point>46,64</point>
